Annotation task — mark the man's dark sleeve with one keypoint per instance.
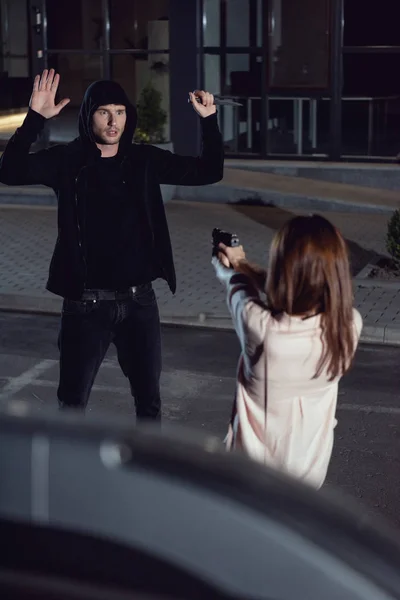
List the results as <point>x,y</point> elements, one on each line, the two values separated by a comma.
<point>189,170</point>
<point>18,166</point>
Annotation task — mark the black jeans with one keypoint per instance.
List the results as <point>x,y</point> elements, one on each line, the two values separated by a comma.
<point>88,328</point>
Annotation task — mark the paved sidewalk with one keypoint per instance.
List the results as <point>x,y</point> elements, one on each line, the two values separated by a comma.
<point>340,196</point>
<point>27,237</point>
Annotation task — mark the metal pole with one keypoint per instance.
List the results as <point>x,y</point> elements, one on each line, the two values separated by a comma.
<point>313,123</point>
<point>44,35</point>
<point>106,35</point>
<point>336,79</point>
<point>249,124</point>
<point>264,129</point>
<point>200,34</point>
<point>370,125</point>
<point>44,138</point>
<point>296,122</point>
<point>300,127</point>
<point>36,37</point>
<point>222,65</point>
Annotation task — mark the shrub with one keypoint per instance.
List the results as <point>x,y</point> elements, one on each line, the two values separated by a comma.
<point>393,236</point>
<point>151,116</point>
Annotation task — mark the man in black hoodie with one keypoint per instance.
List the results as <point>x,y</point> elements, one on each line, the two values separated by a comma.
<point>113,239</point>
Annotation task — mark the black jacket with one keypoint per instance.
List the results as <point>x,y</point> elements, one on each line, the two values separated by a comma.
<point>144,167</point>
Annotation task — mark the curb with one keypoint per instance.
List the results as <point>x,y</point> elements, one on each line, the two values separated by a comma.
<point>384,176</point>
<point>41,197</point>
<point>35,196</point>
<point>221,193</point>
<point>388,335</point>
<point>363,279</point>
<point>16,303</point>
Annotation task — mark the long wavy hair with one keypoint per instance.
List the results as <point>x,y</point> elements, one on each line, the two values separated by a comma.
<point>309,273</point>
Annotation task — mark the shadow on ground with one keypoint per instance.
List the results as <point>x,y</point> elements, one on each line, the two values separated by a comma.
<point>274,217</point>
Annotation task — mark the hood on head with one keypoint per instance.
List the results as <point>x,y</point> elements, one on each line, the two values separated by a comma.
<point>101,93</point>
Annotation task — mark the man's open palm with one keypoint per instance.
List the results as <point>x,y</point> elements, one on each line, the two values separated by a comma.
<point>44,94</point>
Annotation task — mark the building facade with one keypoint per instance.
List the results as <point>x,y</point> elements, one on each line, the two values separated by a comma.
<point>315,78</point>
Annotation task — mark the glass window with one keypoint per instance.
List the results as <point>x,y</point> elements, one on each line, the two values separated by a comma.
<point>299,44</point>
<point>371,106</point>
<point>243,25</point>
<point>77,72</point>
<point>139,24</point>
<point>260,8</point>
<point>77,24</point>
<point>211,22</point>
<point>371,23</point>
<point>212,73</point>
<point>370,74</point>
<point>237,23</point>
<point>241,126</point>
<point>299,126</point>
<point>237,73</point>
<point>135,71</point>
<point>243,75</point>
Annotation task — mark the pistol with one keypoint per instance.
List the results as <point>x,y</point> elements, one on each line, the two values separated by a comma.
<point>223,237</point>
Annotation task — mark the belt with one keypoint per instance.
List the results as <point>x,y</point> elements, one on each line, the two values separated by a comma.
<point>97,295</point>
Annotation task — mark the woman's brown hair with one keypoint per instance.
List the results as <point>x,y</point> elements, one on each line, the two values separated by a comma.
<point>309,273</point>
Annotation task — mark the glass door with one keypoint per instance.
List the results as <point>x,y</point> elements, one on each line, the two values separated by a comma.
<point>298,77</point>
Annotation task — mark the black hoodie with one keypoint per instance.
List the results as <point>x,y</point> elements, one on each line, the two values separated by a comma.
<point>109,209</point>
<point>144,167</point>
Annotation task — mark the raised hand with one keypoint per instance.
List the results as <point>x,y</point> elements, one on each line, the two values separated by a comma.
<point>206,106</point>
<point>44,93</point>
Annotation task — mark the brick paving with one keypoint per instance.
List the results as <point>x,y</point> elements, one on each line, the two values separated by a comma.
<point>27,237</point>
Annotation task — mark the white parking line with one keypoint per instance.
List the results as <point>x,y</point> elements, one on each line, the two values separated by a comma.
<point>106,389</point>
<point>26,378</point>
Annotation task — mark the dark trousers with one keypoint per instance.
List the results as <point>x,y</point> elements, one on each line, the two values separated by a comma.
<point>87,330</point>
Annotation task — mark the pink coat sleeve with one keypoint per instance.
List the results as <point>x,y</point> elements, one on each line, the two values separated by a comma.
<point>250,315</point>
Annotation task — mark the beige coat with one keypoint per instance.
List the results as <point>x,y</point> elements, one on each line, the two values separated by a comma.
<point>283,416</point>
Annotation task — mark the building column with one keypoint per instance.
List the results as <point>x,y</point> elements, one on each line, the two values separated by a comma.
<point>185,22</point>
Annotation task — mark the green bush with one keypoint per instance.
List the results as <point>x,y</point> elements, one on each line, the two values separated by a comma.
<point>393,236</point>
<point>151,117</point>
